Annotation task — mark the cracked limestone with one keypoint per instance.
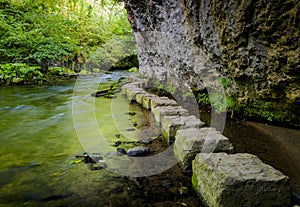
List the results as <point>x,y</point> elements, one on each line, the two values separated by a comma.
<point>238,180</point>
<point>189,142</point>
<point>160,112</point>
<point>131,91</point>
<point>162,101</point>
<point>171,124</point>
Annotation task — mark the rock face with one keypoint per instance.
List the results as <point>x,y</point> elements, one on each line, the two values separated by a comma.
<point>239,180</point>
<point>253,45</point>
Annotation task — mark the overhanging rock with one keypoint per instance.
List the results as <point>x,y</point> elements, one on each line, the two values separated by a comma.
<point>239,180</point>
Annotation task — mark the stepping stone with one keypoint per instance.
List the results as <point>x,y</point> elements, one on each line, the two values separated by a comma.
<point>144,99</point>
<point>160,112</point>
<point>171,124</point>
<point>190,142</point>
<point>131,93</point>
<point>162,101</point>
<point>238,180</point>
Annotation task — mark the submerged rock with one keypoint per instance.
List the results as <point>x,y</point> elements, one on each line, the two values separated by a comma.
<point>130,113</point>
<point>138,151</point>
<point>92,158</point>
<point>121,151</point>
<point>101,93</point>
<point>116,144</point>
<point>98,166</point>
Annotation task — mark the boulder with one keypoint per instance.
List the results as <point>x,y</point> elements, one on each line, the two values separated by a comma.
<point>238,180</point>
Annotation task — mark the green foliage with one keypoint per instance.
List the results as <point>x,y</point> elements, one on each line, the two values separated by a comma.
<point>267,111</point>
<point>203,98</point>
<point>225,82</point>
<point>62,33</point>
<point>19,73</point>
<point>220,102</point>
<point>133,70</point>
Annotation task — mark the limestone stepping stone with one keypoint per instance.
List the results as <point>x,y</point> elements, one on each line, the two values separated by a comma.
<point>127,86</point>
<point>162,101</point>
<point>160,112</point>
<point>238,180</point>
<point>171,124</point>
<point>131,92</point>
<point>189,142</point>
<point>144,99</point>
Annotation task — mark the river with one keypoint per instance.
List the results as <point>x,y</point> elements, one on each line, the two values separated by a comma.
<point>43,128</point>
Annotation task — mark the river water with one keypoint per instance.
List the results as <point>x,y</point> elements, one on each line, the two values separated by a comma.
<point>43,128</point>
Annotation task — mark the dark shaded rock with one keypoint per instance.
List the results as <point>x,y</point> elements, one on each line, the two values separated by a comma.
<point>100,93</point>
<point>95,167</point>
<point>118,135</point>
<point>130,130</point>
<point>54,198</point>
<point>130,113</point>
<point>91,158</point>
<point>121,151</point>
<point>110,96</point>
<point>116,144</point>
<point>138,151</point>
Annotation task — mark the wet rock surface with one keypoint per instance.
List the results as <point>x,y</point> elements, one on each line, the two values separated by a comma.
<point>138,151</point>
<point>171,124</point>
<point>190,142</point>
<point>239,180</point>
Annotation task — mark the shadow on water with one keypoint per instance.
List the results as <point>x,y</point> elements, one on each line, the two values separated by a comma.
<point>38,145</point>
<point>276,146</point>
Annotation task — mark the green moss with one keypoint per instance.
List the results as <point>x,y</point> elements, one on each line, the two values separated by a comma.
<point>195,183</point>
<point>255,109</point>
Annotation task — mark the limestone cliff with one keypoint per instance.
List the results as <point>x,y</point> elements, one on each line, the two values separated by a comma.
<point>253,44</point>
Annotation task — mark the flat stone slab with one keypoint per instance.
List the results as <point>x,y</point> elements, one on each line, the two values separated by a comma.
<point>162,101</point>
<point>171,124</point>
<point>189,142</point>
<point>144,99</point>
<point>238,180</point>
<point>131,92</point>
<point>160,112</point>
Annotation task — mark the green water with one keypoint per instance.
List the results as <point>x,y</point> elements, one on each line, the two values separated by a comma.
<point>42,128</point>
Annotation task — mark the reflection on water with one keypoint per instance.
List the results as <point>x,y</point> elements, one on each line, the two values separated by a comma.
<point>38,140</point>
